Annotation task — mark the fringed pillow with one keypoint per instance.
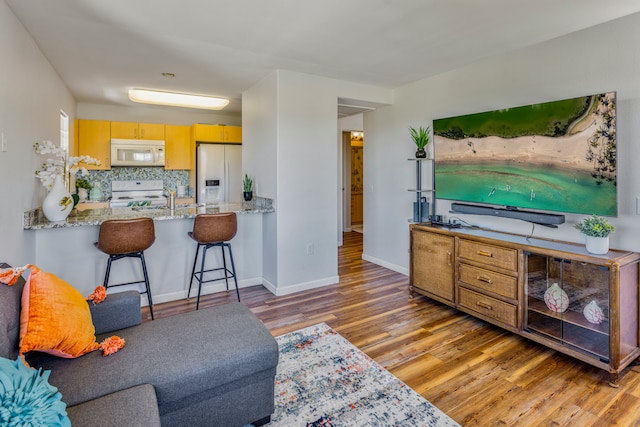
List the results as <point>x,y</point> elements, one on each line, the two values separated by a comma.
<point>55,318</point>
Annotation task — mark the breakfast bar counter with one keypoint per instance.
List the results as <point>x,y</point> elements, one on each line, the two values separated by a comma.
<point>67,249</point>
<point>34,220</point>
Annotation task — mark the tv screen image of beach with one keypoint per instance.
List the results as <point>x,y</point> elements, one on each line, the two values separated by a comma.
<point>555,156</point>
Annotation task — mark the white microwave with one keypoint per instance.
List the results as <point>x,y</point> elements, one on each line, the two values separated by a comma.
<point>137,152</point>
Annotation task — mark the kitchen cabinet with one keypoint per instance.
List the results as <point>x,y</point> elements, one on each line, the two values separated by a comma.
<point>133,130</point>
<point>94,139</point>
<point>178,147</point>
<point>217,133</point>
<point>590,312</point>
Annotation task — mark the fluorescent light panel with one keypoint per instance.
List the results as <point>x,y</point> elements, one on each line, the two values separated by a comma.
<point>177,99</point>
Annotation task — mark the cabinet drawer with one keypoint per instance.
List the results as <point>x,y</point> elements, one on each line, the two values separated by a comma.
<point>488,254</point>
<point>489,280</point>
<point>501,311</point>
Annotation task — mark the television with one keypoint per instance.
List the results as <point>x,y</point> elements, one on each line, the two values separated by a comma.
<point>556,156</point>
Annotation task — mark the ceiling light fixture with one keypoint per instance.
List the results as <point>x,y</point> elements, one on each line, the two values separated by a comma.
<point>177,99</point>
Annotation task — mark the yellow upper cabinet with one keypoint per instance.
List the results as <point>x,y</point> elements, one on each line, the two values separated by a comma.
<point>232,133</point>
<point>132,130</point>
<point>94,139</point>
<point>217,133</point>
<point>178,147</point>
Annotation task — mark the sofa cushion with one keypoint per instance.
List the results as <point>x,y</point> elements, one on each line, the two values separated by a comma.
<point>136,406</point>
<point>185,357</point>
<point>55,317</point>
<point>10,317</point>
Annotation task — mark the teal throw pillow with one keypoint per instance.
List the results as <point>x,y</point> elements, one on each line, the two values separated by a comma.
<point>27,398</point>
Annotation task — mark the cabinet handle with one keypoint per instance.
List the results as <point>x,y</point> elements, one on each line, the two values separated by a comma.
<point>483,305</point>
<point>449,262</point>
<point>485,253</point>
<point>142,133</point>
<point>484,279</point>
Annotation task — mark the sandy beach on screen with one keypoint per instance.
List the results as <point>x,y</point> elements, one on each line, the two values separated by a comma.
<point>567,151</point>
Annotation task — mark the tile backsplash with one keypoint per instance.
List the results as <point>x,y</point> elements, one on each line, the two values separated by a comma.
<point>171,178</point>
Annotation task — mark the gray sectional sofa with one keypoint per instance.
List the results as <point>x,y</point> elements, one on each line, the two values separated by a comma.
<point>211,367</point>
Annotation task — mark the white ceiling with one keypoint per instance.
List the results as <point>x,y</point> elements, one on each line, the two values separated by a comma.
<point>102,48</point>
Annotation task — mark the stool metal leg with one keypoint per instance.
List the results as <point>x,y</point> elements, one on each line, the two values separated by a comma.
<point>201,278</point>
<point>106,274</point>
<point>147,289</point>
<point>233,269</point>
<point>224,266</point>
<point>193,270</point>
<point>146,283</point>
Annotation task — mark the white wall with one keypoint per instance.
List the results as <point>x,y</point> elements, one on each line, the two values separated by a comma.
<point>260,160</point>
<point>31,97</point>
<point>351,123</point>
<point>306,169</point>
<point>599,59</point>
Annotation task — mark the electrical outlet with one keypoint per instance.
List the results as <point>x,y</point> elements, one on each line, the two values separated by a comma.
<point>310,249</point>
<point>3,143</point>
<point>637,205</point>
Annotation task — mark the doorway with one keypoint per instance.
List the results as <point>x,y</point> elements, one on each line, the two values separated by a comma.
<point>353,181</point>
<point>357,181</point>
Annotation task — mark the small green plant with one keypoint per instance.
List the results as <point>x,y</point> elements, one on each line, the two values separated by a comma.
<point>247,183</point>
<point>421,136</point>
<point>595,226</point>
<point>83,183</point>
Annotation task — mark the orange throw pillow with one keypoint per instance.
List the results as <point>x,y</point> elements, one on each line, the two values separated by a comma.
<point>55,317</point>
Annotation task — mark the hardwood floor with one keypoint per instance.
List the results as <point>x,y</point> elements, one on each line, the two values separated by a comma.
<point>478,374</point>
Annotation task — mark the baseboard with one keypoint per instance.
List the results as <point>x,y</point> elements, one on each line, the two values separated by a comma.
<point>206,289</point>
<point>385,264</point>
<point>291,289</point>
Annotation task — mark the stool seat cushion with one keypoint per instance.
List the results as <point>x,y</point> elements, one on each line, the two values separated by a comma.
<point>213,228</point>
<point>123,236</point>
<point>188,359</point>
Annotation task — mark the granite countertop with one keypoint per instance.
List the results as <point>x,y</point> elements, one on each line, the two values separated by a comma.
<point>35,220</point>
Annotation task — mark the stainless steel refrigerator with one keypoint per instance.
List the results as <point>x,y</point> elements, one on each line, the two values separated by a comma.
<point>218,173</point>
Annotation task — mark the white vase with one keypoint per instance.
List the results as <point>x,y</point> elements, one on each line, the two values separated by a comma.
<point>58,203</point>
<point>597,245</point>
<point>593,313</point>
<point>556,299</point>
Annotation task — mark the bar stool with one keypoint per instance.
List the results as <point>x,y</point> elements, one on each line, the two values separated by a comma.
<point>210,231</point>
<point>123,238</point>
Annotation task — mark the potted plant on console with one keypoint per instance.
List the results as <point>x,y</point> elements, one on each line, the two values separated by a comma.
<point>421,137</point>
<point>247,184</point>
<point>596,230</point>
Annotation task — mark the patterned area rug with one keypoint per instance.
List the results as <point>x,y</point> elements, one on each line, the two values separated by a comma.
<point>324,380</point>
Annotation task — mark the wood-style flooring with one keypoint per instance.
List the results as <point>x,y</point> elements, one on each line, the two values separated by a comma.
<point>478,374</point>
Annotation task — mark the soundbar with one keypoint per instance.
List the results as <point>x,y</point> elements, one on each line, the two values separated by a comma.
<point>547,219</point>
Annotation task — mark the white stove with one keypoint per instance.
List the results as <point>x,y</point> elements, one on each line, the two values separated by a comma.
<point>137,193</point>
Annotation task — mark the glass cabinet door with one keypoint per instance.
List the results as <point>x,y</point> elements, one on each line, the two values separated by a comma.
<point>568,301</point>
